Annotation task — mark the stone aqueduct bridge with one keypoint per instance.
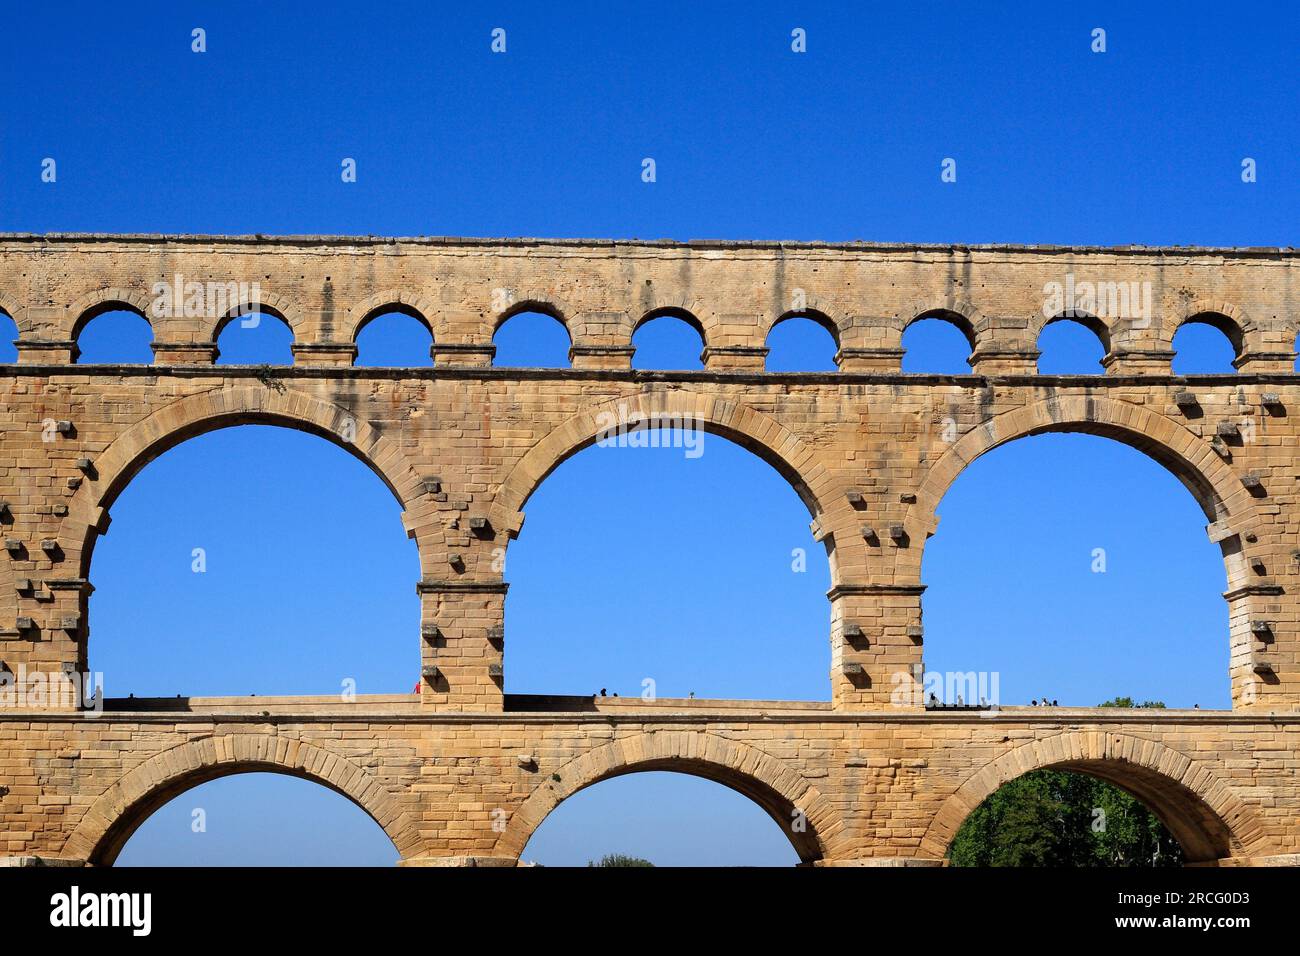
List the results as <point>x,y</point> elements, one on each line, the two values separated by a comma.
<point>464,773</point>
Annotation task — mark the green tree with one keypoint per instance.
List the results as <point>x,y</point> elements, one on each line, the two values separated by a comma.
<point>619,859</point>
<point>1062,819</point>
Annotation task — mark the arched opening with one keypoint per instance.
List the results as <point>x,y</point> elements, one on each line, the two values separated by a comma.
<point>528,338</point>
<point>1064,819</point>
<point>1092,579</point>
<point>1191,800</point>
<point>1206,344</point>
<point>668,340</point>
<point>938,343</point>
<point>802,342</point>
<point>8,336</point>
<point>663,818</point>
<point>394,337</point>
<point>1073,346</point>
<point>113,334</point>
<point>243,580</point>
<point>255,338</point>
<point>252,818</point>
<point>668,561</point>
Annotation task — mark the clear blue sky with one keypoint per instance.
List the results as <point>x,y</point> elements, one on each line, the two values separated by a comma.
<point>622,572</point>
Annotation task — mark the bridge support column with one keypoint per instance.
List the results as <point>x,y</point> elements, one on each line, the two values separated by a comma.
<point>601,356</point>
<point>46,351</point>
<point>1280,362</point>
<point>462,354</point>
<point>1122,361</point>
<point>184,353</point>
<point>869,359</point>
<point>462,627</point>
<point>876,646</point>
<point>324,353</point>
<point>735,358</point>
<point>1007,361</point>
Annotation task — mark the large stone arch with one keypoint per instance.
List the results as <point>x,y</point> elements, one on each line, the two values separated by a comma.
<point>749,428</point>
<point>1219,491</point>
<point>223,407</point>
<point>1229,507</point>
<point>117,812</point>
<point>783,793</point>
<point>1203,813</point>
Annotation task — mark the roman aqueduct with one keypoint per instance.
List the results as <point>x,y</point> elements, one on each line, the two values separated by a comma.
<point>462,773</point>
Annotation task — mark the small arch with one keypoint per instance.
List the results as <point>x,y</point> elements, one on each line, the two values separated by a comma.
<point>797,342</point>
<point>1206,817</point>
<point>531,301</point>
<point>109,822</point>
<point>93,304</point>
<point>669,344</point>
<point>935,349</point>
<point>10,307</point>
<point>783,793</point>
<point>8,336</point>
<point>1205,352</point>
<point>532,339</point>
<point>394,300</point>
<point>402,339</point>
<point>113,333</point>
<point>1070,338</point>
<point>252,340</point>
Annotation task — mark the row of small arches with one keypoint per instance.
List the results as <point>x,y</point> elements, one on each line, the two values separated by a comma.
<point>800,342</point>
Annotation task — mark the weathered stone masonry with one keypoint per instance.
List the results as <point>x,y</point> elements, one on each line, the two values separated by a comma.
<point>464,772</point>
